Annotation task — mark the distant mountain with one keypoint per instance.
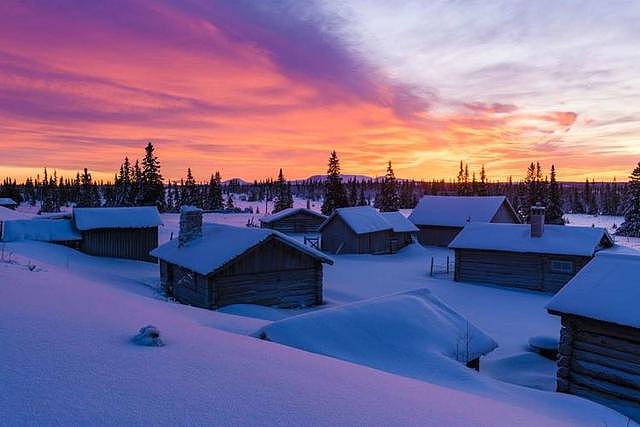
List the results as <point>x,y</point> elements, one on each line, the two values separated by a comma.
<point>322,178</point>
<point>236,181</point>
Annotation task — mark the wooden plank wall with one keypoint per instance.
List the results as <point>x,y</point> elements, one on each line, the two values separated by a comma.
<point>600,361</point>
<point>437,236</point>
<point>130,243</point>
<point>337,236</point>
<point>519,270</point>
<point>301,222</point>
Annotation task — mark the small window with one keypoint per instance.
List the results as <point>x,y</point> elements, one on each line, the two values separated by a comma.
<point>562,266</point>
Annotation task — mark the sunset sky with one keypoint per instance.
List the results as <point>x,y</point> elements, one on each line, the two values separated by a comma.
<point>247,87</point>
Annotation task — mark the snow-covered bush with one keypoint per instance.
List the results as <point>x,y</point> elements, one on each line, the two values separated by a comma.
<point>148,335</point>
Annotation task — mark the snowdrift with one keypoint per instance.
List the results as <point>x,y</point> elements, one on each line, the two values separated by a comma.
<point>390,332</point>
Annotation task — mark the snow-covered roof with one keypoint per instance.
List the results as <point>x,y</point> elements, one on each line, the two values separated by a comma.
<point>43,230</point>
<point>383,332</point>
<point>7,214</point>
<point>456,211</point>
<point>556,239</point>
<point>289,212</point>
<point>361,219</point>
<point>221,244</point>
<point>135,217</point>
<point>606,289</point>
<point>399,222</point>
<point>6,201</point>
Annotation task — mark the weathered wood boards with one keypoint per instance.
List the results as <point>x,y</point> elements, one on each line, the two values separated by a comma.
<point>299,221</point>
<point>600,361</point>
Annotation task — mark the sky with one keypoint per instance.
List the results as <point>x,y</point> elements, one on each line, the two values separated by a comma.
<point>247,87</point>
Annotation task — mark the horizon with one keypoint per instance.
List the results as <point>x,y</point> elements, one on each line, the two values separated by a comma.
<point>251,87</point>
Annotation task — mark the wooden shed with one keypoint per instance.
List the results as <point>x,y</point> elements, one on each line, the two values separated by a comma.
<point>404,231</point>
<point>216,265</point>
<point>294,221</point>
<point>509,255</point>
<point>441,218</point>
<point>7,202</point>
<point>599,352</point>
<point>356,230</point>
<point>118,232</point>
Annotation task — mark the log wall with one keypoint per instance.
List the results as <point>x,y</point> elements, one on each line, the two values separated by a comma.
<point>600,361</point>
<point>301,222</point>
<point>129,243</point>
<point>338,238</point>
<point>512,269</point>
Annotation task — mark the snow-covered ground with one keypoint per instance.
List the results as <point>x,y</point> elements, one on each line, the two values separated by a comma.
<point>611,223</point>
<point>67,319</point>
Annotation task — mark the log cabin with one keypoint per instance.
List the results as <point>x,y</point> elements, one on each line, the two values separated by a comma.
<point>364,230</point>
<point>599,351</point>
<point>130,232</point>
<point>441,218</point>
<point>214,265</point>
<point>294,221</point>
<point>534,257</point>
<point>8,203</point>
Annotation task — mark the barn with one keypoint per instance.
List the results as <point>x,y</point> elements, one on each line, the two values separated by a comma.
<point>441,218</point>
<point>6,202</point>
<point>118,232</point>
<point>404,231</point>
<point>293,221</point>
<point>521,256</point>
<point>364,230</point>
<point>214,265</point>
<point>599,352</point>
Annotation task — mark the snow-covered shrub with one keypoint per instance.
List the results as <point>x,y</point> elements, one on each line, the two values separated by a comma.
<point>148,335</point>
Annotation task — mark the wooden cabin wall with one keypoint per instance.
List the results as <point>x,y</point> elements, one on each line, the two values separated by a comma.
<point>273,273</point>
<point>338,236</point>
<point>600,361</point>
<point>129,243</point>
<point>505,215</point>
<point>300,222</point>
<point>512,269</point>
<point>431,235</point>
<point>185,285</point>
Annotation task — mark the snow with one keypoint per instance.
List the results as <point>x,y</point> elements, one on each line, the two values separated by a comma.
<point>455,211</point>
<point>399,222</point>
<point>71,359</point>
<point>134,217</point>
<point>220,244</point>
<point>605,289</point>
<point>44,230</point>
<point>366,332</point>
<point>361,219</point>
<point>7,214</point>
<point>6,201</point>
<point>556,239</point>
<point>288,212</point>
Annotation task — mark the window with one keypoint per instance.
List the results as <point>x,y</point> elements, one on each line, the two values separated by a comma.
<point>562,266</point>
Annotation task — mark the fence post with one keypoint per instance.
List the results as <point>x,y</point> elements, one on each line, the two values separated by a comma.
<point>431,273</point>
<point>447,265</point>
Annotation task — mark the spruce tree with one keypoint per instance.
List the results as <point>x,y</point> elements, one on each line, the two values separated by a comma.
<point>88,196</point>
<point>230,204</point>
<point>554,212</point>
<point>388,199</point>
<point>152,191</point>
<point>284,199</point>
<point>631,208</point>
<point>335,195</point>
<point>482,188</point>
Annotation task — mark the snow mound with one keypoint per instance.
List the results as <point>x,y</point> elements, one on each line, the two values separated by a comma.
<point>7,214</point>
<point>386,332</point>
<point>148,336</point>
<point>43,230</point>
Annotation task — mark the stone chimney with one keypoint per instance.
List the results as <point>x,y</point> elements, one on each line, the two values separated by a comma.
<point>190,224</point>
<point>537,220</point>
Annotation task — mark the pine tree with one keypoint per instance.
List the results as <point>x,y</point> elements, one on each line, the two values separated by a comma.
<point>335,195</point>
<point>362,200</point>
<point>460,180</point>
<point>482,188</point>
<point>230,204</point>
<point>214,199</point>
<point>152,191</point>
<point>388,199</point>
<point>284,199</point>
<point>87,196</point>
<point>631,225</point>
<point>554,210</point>
<point>188,191</point>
